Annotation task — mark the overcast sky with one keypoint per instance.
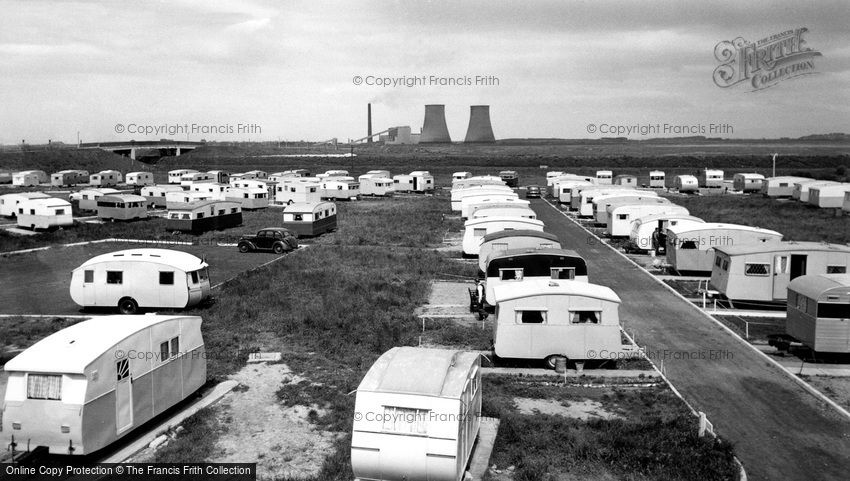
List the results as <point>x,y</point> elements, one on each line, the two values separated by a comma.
<point>289,67</point>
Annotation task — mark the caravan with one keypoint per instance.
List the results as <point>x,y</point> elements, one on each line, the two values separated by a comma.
<point>621,215</point>
<point>309,219</point>
<point>44,213</point>
<point>201,216</point>
<point>122,207</point>
<point>686,184</point>
<point>139,178</point>
<point>136,279</point>
<point>780,186</point>
<point>747,182</point>
<point>84,387</point>
<point>521,265</point>
<point>417,415</point>
<point>551,320</point>
<point>762,272</point>
<point>643,238</point>
<point>155,194</point>
<point>818,310</point>
<point>476,229</point>
<point>505,240</point>
<point>656,179</point>
<point>711,178</point>
<point>9,202</point>
<point>68,178</point>
<point>106,178</point>
<point>691,247</point>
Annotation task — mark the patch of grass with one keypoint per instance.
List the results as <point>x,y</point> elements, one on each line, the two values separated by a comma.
<point>795,220</point>
<point>196,442</point>
<point>388,222</point>
<point>23,332</point>
<point>657,440</point>
<point>443,332</point>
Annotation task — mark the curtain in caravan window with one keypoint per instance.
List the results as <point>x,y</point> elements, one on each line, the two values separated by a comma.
<point>781,265</point>
<point>405,420</point>
<point>44,386</point>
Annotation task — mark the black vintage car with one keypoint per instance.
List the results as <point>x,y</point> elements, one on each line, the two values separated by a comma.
<point>275,239</point>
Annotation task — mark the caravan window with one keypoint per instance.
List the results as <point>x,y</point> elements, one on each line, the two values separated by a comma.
<point>833,311</point>
<point>585,317</point>
<point>622,216</point>
<point>781,265</point>
<point>836,269</point>
<point>44,386</point>
<point>122,369</point>
<point>531,316</point>
<point>175,346</point>
<point>298,217</point>
<point>688,244</point>
<point>163,351</point>
<point>88,277</point>
<point>726,265</point>
<point>114,277</point>
<point>166,278</point>
<point>510,274</point>
<point>405,420</point>
<point>479,232</point>
<point>565,273</point>
<point>756,269</point>
<point>717,261</point>
<point>194,275</point>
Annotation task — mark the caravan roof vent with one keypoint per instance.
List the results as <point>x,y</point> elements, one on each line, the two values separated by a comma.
<point>553,284</point>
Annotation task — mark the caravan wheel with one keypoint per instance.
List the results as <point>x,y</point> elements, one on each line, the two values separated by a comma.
<point>128,305</point>
<point>552,361</point>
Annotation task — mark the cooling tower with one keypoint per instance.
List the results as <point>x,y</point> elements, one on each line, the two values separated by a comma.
<point>434,129</point>
<point>479,129</point>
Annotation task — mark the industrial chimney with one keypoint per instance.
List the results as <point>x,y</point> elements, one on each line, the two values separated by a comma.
<point>479,129</point>
<point>369,122</point>
<point>434,129</point>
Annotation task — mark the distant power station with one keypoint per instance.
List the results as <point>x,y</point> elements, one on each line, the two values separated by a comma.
<point>434,128</point>
<point>479,129</point>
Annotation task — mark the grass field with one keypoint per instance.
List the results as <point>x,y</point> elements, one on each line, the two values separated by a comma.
<point>796,221</point>
<point>654,435</point>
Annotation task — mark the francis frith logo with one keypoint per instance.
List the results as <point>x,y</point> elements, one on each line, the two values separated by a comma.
<point>766,62</point>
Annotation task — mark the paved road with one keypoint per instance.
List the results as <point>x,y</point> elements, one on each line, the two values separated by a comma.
<point>780,431</point>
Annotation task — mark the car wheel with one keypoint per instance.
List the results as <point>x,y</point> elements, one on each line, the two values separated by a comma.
<point>128,305</point>
<point>243,248</point>
<point>278,249</point>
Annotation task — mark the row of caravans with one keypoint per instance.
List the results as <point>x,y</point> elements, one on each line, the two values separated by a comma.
<point>544,305</point>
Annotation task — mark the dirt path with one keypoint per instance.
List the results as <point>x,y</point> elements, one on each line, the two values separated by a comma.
<point>259,429</point>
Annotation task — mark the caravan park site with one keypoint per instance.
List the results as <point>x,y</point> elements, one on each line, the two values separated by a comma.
<point>333,306</point>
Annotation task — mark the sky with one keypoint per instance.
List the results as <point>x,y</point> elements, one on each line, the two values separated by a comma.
<point>289,70</point>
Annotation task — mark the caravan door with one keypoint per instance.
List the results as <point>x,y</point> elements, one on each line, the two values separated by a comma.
<point>416,183</point>
<point>781,276</point>
<point>123,396</point>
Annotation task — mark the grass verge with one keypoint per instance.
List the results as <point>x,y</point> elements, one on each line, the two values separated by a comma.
<point>656,437</point>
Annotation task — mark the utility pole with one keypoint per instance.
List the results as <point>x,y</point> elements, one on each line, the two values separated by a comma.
<point>774,164</point>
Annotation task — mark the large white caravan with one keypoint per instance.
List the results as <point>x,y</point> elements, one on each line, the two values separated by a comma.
<point>135,279</point>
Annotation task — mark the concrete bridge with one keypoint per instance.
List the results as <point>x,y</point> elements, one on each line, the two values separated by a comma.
<point>166,148</point>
